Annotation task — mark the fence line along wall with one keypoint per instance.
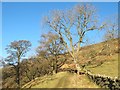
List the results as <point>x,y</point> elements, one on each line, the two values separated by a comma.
<point>105,81</point>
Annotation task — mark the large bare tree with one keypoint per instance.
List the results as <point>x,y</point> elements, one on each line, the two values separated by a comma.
<point>17,50</point>
<point>52,50</point>
<point>72,26</point>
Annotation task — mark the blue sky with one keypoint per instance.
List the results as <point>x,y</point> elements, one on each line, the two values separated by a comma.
<point>22,20</point>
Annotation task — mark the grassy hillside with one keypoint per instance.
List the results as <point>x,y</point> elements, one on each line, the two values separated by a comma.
<point>108,68</point>
<point>110,62</point>
<point>103,60</point>
<point>68,80</point>
<point>62,80</point>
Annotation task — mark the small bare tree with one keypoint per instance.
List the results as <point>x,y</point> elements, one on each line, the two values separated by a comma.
<point>2,62</point>
<point>111,32</point>
<point>72,26</point>
<point>111,28</point>
<point>16,50</point>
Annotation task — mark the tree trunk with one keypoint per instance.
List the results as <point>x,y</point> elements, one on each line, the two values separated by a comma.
<point>18,76</point>
<point>55,67</point>
<point>78,69</point>
<point>18,73</point>
<point>77,66</point>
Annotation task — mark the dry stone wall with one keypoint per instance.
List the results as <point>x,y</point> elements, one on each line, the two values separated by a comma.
<point>105,81</point>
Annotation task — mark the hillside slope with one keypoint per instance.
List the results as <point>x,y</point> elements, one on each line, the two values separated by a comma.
<point>108,68</point>
<point>104,61</point>
<point>101,58</point>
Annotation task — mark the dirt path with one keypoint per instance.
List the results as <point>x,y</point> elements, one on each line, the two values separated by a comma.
<point>74,81</point>
<point>64,81</point>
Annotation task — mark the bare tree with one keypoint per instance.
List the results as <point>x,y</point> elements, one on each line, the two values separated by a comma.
<point>111,32</point>
<point>17,50</point>
<point>111,28</point>
<point>72,26</point>
<point>52,50</point>
<point>2,62</point>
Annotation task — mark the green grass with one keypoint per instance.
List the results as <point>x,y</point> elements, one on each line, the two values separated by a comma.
<point>62,80</point>
<point>69,80</point>
<point>108,68</point>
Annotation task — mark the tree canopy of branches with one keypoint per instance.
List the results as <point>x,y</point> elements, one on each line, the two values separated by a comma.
<point>2,62</point>
<point>111,29</point>
<point>41,67</point>
<point>52,50</point>
<point>72,26</point>
<point>17,50</point>
<point>111,32</point>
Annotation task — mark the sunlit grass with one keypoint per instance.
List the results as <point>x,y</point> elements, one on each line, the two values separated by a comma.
<point>108,68</point>
<point>63,80</point>
<point>70,80</point>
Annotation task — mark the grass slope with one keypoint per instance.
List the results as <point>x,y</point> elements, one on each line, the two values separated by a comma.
<point>62,80</point>
<point>68,80</point>
<point>108,68</point>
